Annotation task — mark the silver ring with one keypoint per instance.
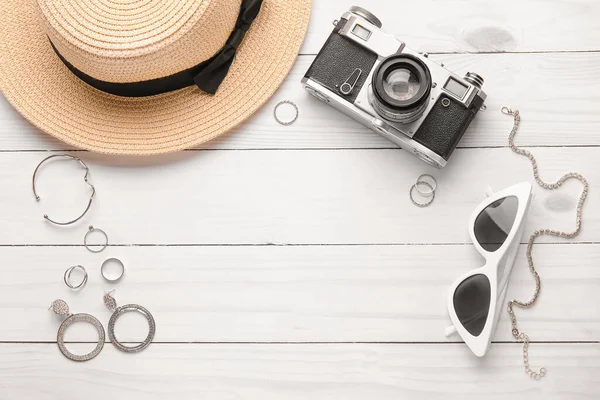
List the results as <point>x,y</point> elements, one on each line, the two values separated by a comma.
<point>60,336</point>
<point>446,102</point>
<point>286,122</point>
<point>67,277</point>
<point>432,185</point>
<point>422,205</point>
<point>125,309</point>
<point>103,272</point>
<point>90,230</point>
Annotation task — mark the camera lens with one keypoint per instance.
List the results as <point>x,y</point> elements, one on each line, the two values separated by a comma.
<point>401,87</point>
<point>401,84</point>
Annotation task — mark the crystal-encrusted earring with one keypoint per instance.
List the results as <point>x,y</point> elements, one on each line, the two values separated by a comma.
<point>111,304</point>
<point>61,308</point>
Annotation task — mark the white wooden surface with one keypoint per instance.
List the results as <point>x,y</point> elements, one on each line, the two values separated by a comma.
<point>288,263</point>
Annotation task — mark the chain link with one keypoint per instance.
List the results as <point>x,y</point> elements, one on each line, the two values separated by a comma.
<point>520,336</point>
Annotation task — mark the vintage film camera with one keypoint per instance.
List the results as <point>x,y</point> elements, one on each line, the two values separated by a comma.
<point>399,93</point>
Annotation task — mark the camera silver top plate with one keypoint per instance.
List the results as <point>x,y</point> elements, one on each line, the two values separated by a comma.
<point>381,43</point>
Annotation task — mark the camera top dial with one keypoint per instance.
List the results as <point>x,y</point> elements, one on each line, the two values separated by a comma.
<point>366,14</point>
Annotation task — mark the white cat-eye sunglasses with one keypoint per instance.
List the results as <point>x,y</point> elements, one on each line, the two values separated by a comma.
<point>476,298</point>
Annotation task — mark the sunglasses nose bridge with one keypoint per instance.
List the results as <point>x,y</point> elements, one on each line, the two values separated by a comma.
<point>489,258</point>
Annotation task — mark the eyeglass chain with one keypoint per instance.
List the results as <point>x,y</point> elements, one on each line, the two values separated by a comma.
<point>521,336</point>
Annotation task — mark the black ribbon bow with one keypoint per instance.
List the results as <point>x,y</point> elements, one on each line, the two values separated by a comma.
<point>207,75</point>
<point>216,68</point>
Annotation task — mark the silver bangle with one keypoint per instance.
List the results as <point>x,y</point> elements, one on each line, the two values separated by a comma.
<point>85,178</point>
<point>422,205</point>
<point>104,273</point>
<point>67,277</point>
<point>285,123</point>
<point>87,246</point>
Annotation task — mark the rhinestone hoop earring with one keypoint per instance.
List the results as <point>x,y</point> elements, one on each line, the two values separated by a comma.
<point>111,304</point>
<point>61,308</point>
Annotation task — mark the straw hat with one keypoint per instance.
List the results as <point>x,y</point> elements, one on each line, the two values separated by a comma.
<point>150,67</point>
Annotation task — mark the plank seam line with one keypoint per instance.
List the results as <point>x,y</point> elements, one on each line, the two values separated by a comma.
<point>542,146</point>
<point>583,342</point>
<point>498,52</point>
<point>289,244</point>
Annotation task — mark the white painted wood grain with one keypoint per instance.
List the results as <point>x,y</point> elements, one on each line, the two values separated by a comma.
<point>320,372</point>
<point>557,94</point>
<point>282,197</point>
<point>315,293</point>
<point>299,294</point>
<point>472,26</point>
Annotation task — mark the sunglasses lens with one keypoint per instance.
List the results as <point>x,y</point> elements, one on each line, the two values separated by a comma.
<point>494,223</point>
<point>472,303</point>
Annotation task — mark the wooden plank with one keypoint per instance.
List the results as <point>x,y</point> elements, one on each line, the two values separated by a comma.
<point>556,93</point>
<point>282,197</point>
<point>293,294</point>
<point>353,372</point>
<point>473,26</point>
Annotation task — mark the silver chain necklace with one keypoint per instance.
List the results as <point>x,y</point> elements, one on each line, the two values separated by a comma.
<point>520,336</point>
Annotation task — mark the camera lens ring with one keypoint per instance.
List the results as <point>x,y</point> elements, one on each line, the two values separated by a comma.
<point>414,65</point>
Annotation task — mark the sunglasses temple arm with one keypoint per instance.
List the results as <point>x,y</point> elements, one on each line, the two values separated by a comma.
<point>450,330</point>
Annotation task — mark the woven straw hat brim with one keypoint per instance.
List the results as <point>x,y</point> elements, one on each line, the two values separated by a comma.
<point>42,89</point>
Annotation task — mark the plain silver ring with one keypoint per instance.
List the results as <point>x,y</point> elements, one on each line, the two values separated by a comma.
<point>90,230</point>
<point>422,205</point>
<point>104,265</point>
<point>432,186</point>
<point>67,277</point>
<point>285,123</point>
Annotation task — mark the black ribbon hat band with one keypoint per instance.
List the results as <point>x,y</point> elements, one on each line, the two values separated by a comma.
<point>207,75</point>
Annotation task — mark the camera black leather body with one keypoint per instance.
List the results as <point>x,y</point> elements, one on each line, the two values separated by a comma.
<point>401,94</point>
